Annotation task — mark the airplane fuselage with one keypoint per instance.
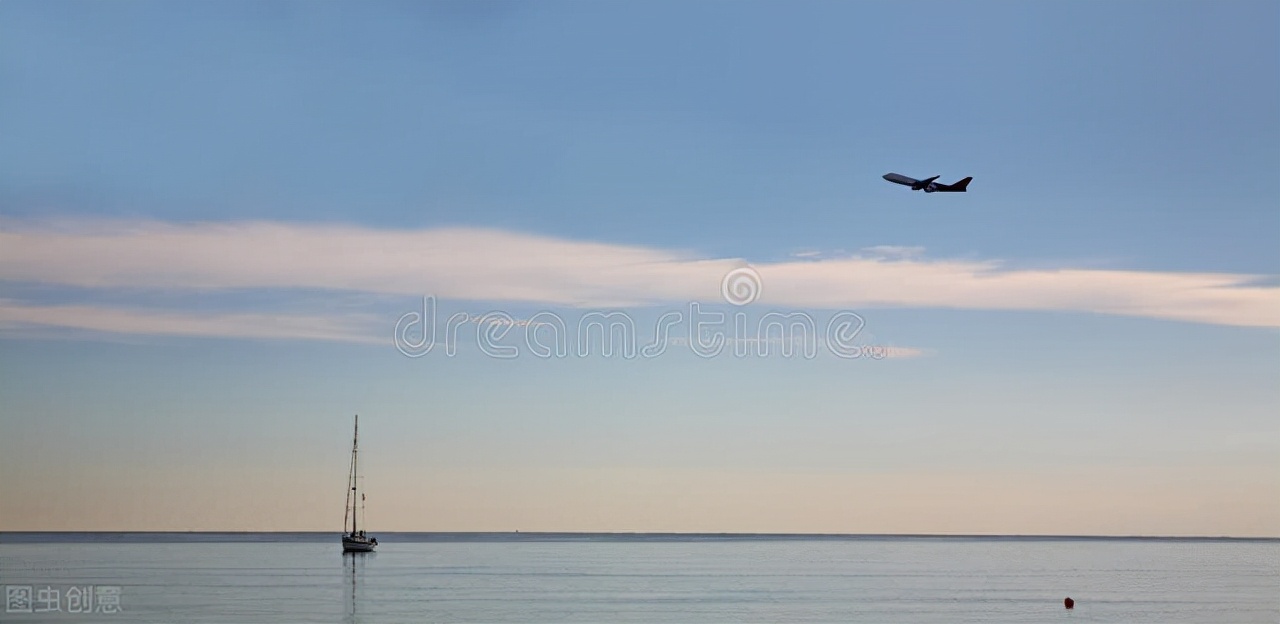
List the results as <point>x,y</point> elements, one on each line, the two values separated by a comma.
<point>928,185</point>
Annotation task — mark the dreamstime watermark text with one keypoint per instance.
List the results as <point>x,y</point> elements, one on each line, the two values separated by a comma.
<point>702,330</point>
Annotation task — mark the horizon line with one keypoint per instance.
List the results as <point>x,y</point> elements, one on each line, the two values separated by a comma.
<point>703,534</point>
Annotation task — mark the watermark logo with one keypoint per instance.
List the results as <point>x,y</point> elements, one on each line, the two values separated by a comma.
<point>741,286</point>
<point>705,331</point>
<point>81,599</point>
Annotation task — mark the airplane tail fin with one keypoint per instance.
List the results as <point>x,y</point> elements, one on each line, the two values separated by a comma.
<point>962,185</point>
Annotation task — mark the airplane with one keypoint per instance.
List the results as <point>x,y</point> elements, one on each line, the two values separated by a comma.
<point>928,185</point>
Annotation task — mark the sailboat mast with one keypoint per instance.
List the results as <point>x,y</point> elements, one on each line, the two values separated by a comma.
<point>346,510</point>
<point>355,474</point>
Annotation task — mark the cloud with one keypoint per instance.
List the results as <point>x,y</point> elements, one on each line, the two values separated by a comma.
<point>898,353</point>
<point>498,266</point>
<point>1213,298</point>
<point>893,251</point>
<point>351,328</point>
<point>453,263</point>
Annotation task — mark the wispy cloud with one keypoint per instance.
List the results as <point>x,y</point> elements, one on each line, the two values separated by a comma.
<point>892,251</point>
<point>902,353</point>
<point>489,265</point>
<point>454,263</point>
<point>1214,298</point>
<point>807,254</point>
<point>349,328</point>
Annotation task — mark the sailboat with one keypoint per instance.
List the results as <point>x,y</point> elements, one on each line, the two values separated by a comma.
<point>355,540</point>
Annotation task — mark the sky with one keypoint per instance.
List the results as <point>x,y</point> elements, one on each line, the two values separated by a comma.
<point>633,267</point>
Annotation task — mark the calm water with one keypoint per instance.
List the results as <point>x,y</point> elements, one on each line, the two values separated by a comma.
<point>294,578</point>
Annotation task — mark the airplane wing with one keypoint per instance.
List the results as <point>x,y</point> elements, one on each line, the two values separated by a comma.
<point>897,178</point>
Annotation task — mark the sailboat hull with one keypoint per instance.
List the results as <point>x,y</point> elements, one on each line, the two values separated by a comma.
<point>357,544</point>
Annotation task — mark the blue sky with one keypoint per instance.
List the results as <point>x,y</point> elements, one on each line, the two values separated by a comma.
<point>1099,311</point>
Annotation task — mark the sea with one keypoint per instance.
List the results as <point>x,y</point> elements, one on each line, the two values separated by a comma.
<point>294,578</point>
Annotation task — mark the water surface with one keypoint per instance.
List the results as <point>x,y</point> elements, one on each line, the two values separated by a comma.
<point>292,578</point>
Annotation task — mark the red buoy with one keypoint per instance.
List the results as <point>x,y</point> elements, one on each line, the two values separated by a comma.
<point>1069,603</point>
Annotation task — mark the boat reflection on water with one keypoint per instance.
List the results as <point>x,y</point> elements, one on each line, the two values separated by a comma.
<point>353,568</point>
